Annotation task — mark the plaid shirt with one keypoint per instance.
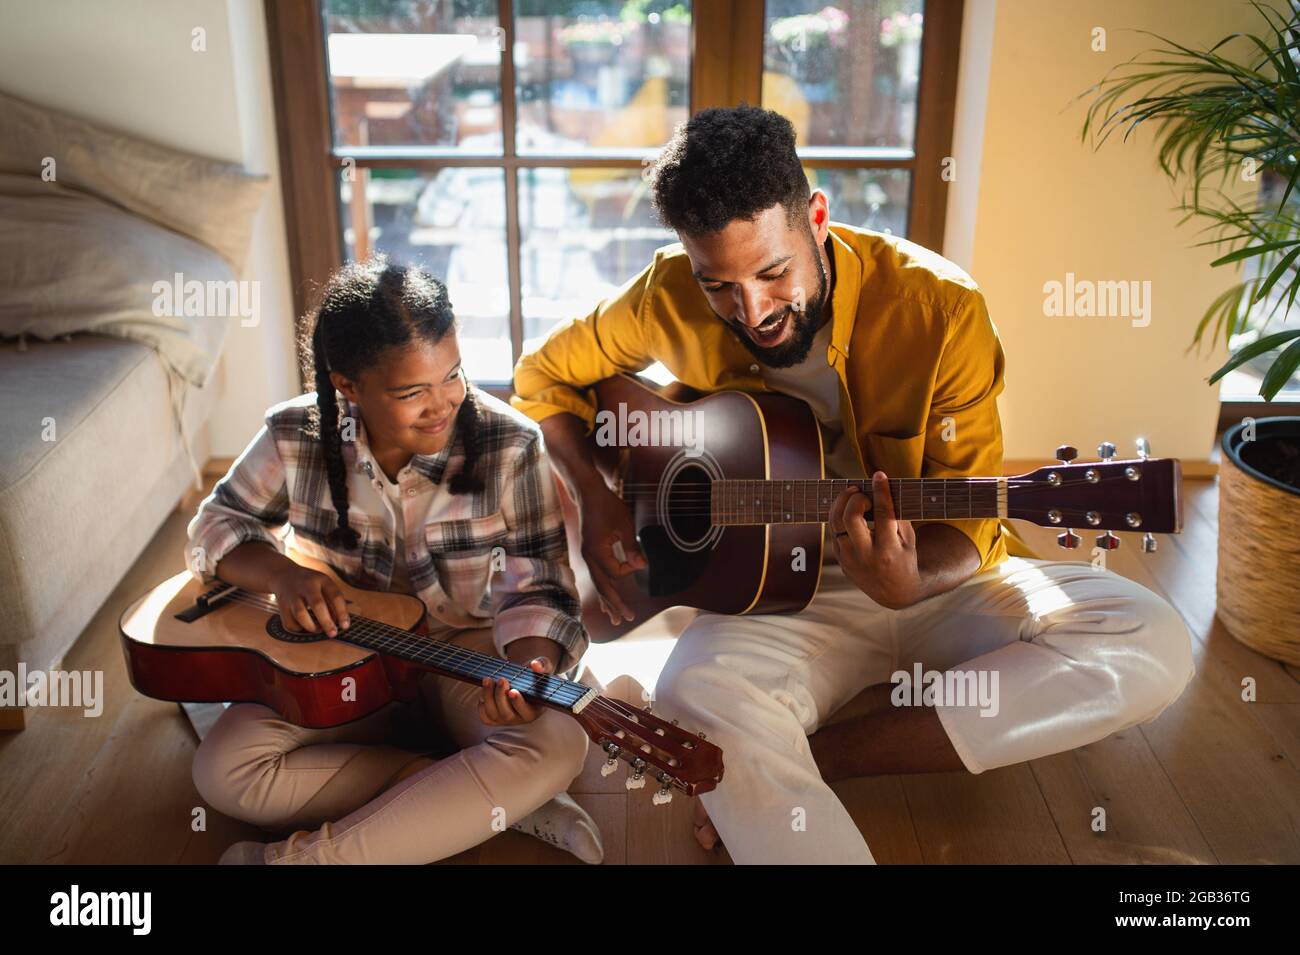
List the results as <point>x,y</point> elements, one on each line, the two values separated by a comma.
<point>498,556</point>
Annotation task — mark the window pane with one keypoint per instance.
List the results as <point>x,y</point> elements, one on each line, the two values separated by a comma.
<point>844,74</point>
<point>414,72</point>
<point>452,224</point>
<point>600,73</point>
<point>585,232</point>
<point>867,198</point>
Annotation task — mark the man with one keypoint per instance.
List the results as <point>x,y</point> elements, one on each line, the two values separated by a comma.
<point>893,348</point>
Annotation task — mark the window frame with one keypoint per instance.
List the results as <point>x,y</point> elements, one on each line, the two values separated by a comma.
<point>724,72</point>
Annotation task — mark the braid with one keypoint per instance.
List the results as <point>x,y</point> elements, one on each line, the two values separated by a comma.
<point>469,426</point>
<point>332,442</point>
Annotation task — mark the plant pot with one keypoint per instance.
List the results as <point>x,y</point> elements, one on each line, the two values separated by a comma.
<point>1258,579</point>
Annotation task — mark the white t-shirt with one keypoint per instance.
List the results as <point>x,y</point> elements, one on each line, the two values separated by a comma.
<point>817,383</point>
<point>400,583</point>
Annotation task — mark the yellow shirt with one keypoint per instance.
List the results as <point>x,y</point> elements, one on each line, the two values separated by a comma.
<point>919,360</point>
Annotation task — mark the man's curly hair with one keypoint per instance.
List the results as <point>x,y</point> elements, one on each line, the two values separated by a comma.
<point>728,163</point>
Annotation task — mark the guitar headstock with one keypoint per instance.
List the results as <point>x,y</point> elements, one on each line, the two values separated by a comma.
<point>1133,494</point>
<point>651,746</point>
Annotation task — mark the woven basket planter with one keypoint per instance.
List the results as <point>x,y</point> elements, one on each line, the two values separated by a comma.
<point>1258,581</point>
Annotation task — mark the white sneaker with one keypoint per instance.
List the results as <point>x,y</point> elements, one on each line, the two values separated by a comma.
<point>561,822</point>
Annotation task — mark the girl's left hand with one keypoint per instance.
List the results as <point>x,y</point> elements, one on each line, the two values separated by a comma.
<point>500,704</point>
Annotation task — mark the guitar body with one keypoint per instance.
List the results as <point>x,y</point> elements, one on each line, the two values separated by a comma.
<point>729,501</point>
<point>231,655</point>
<point>732,570</point>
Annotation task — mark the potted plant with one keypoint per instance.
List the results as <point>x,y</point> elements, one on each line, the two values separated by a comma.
<point>1222,114</point>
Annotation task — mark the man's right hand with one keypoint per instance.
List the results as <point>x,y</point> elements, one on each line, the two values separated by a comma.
<point>606,522</point>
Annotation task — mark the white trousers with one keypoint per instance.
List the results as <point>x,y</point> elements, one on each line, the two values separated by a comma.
<point>1077,654</point>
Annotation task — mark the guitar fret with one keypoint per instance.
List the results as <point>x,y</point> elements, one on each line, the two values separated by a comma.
<point>451,659</point>
<point>809,501</point>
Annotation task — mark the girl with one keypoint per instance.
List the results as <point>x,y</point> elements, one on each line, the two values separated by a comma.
<point>400,475</point>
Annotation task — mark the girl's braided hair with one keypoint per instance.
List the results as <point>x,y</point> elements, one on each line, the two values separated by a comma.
<point>366,308</point>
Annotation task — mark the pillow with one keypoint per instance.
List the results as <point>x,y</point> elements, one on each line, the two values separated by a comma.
<point>70,262</point>
<point>205,199</point>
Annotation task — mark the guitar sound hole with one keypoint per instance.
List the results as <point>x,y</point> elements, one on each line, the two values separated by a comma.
<point>688,504</point>
<point>276,629</point>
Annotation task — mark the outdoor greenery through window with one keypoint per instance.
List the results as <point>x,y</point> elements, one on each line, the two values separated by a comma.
<point>516,177</point>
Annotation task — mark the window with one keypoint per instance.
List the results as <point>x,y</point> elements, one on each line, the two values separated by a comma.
<point>501,143</point>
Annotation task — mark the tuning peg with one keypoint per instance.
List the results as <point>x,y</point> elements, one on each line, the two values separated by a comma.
<point>1069,540</point>
<point>665,794</point>
<point>1106,450</point>
<point>1065,454</point>
<point>637,779</point>
<point>1148,543</point>
<point>611,764</point>
<point>1107,541</point>
<point>1143,448</point>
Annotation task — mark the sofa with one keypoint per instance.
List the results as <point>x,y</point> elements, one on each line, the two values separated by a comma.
<point>107,389</point>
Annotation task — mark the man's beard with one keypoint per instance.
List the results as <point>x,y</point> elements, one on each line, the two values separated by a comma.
<point>806,323</point>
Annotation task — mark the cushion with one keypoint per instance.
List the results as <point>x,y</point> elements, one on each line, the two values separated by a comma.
<point>70,262</point>
<point>208,200</point>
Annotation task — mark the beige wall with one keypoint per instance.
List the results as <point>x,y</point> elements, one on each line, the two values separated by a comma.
<point>1046,204</point>
<point>129,64</point>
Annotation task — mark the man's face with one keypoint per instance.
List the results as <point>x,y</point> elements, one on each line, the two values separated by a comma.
<point>766,281</point>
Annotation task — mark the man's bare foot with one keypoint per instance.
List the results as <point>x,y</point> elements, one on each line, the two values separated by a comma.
<point>705,834</point>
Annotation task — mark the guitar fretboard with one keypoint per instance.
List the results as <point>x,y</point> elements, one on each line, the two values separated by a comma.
<point>459,663</point>
<point>809,502</point>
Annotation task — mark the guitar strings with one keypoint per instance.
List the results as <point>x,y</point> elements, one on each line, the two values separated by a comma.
<point>696,500</point>
<point>616,711</point>
<point>388,637</point>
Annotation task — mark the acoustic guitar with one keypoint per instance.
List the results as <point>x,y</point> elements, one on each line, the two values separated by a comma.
<point>185,643</point>
<point>729,499</point>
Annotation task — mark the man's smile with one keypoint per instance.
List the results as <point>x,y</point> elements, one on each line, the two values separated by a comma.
<point>773,331</point>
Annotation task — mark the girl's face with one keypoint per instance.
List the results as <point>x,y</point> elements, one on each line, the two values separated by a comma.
<point>409,397</point>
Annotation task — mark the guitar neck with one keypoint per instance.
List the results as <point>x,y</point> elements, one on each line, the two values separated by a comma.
<point>468,666</point>
<point>735,502</point>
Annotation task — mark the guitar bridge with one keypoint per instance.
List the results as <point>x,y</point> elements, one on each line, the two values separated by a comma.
<point>205,603</point>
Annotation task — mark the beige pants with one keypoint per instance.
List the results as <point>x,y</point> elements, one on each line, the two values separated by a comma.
<point>330,784</point>
<point>1069,655</point>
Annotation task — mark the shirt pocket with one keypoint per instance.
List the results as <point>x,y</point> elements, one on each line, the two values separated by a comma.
<point>462,554</point>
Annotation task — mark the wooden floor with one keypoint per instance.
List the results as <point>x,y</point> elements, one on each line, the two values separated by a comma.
<point>1214,779</point>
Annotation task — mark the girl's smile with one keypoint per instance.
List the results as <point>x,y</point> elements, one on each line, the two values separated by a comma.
<point>408,398</point>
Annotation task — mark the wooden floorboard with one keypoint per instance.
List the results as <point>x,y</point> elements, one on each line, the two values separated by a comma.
<point>1216,778</point>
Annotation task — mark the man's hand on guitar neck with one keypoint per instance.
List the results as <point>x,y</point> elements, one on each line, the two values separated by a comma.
<point>894,564</point>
